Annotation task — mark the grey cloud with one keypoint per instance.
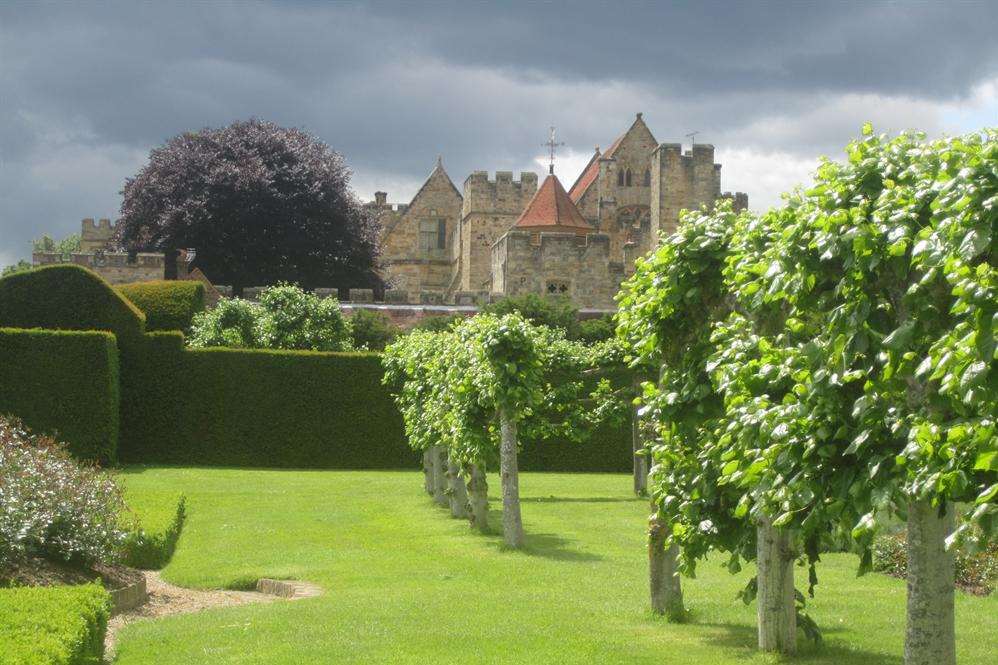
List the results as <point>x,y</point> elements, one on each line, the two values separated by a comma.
<point>87,89</point>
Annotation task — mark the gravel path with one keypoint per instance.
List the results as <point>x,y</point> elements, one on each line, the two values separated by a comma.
<point>166,599</point>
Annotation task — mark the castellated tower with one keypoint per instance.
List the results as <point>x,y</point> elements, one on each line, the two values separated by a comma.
<point>95,236</point>
<point>684,181</point>
<point>490,208</point>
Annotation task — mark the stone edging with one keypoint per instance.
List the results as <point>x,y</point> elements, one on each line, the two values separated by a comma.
<point>129,597</point>
<point>291,589</point>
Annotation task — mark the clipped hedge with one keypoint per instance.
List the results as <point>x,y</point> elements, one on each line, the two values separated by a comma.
<point>67,297</point>
<point>63,383</point>
<point>61,625</point>
<point>257,408</point>
<point>151,548</point>
<point>167,304</point>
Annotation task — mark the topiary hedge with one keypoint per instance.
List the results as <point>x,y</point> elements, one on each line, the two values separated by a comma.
<point>61,625</point>
<point>67,297</point>
<point>167,304</point>
<point>63,383</point>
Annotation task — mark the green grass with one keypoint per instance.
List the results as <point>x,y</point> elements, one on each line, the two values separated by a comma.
<point>404,583</point>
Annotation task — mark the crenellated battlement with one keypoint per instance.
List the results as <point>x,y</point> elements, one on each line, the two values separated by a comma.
<point>502,195</point>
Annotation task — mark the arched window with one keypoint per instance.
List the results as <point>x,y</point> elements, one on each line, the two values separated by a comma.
<point>627,178</point>
<point>647,178</point>
<point>620,178</point>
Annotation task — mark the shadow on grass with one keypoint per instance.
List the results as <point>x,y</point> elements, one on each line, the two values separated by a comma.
<point>577,499</point>
<point>742,637</point>
<point>545,545</point>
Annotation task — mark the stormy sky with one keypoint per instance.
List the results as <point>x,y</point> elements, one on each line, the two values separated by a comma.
<point>86,89</point>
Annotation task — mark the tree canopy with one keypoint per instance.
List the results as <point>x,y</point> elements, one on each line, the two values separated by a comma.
<point>259,203</point>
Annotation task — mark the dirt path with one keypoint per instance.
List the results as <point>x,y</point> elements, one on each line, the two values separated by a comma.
<point>166,599</point>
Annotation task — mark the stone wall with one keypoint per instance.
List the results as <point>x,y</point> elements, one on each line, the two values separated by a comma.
<point>490,208</point>
<point>557,263</point>
<point>117,267</point>
<point>406,265</point>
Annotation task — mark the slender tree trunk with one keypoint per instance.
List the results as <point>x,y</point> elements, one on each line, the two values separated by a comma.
<point>930,635</point>
<point>637,444</point>
<point>428,471</point>
<point>509,475</point>
<point>456,493</point>
<point>663,570</point>
<point>478,493</point>
<point>777,611</point>
<point>439,458</point>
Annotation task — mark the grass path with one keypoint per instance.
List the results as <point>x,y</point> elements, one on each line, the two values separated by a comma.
<point>404,583</point>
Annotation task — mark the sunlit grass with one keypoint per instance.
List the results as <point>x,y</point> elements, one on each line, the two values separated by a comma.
<point>404,583</point>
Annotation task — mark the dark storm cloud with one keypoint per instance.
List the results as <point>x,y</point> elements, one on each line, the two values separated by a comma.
<point>87,89</point>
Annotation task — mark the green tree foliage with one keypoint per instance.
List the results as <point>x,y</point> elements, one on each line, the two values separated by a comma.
<point>468,388</point>
<point>830,365</point>
<point>14,268</point>
<point>64,248</point>
<point>286,317</point>
<point>551,311</point>
<point>372,330</point>
<point>592,331</point>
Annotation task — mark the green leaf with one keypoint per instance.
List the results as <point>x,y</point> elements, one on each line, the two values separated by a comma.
<point>987,461</point>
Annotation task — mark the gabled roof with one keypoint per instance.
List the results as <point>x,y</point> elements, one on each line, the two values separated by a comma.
<point>589,174</point>
<point>437,173</point>
<point>552,210</point>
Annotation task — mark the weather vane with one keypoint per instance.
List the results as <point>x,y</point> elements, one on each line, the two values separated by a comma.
<point>552,144</point>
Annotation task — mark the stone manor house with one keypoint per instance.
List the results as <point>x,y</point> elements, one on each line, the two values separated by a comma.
<point>501,236</point>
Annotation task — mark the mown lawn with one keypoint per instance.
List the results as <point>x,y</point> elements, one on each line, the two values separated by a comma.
<point>404,583</point>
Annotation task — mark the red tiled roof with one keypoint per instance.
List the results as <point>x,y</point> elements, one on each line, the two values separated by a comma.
<point>586,178</point>
<point>552,210</point>
<point>591,171</point>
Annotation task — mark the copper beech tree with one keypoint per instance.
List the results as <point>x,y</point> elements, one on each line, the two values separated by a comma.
<point>259,203</point>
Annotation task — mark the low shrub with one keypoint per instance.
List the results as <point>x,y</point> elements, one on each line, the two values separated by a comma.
<point>51,505</point>
<point>167,304</point>
<point>372,330</point>
<point>596,330</point>
<point>976,572</point>
<point>285,318</point>
<point>151,550</point>
<point>60,625</point>
<point>63,383</point>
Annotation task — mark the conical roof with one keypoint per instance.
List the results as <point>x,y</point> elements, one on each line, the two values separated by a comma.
<point>552,210</point>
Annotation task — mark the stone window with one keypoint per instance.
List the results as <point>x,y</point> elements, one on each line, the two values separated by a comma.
<point>627,178</point>
<point>432,236</point>
<point>647,180</point>
<point>620,178</point>
<point>557,288</point>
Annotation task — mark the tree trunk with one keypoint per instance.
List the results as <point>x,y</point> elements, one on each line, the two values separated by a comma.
<point>509,475</point>
<point>428,471</point>
<point>663,571</point>
<point>929,635</point>
<point>439,458</point>
<point>637,444</point>
<point>777,611</point>
<point>478,492</point>
<point>456,494</point>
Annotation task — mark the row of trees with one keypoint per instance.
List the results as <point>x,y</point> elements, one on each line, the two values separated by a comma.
<point>475,392</point>
<point>825,368</point>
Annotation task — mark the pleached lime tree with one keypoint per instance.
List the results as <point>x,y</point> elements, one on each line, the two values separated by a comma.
<point>479,390</point>
<point>830,366</point>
